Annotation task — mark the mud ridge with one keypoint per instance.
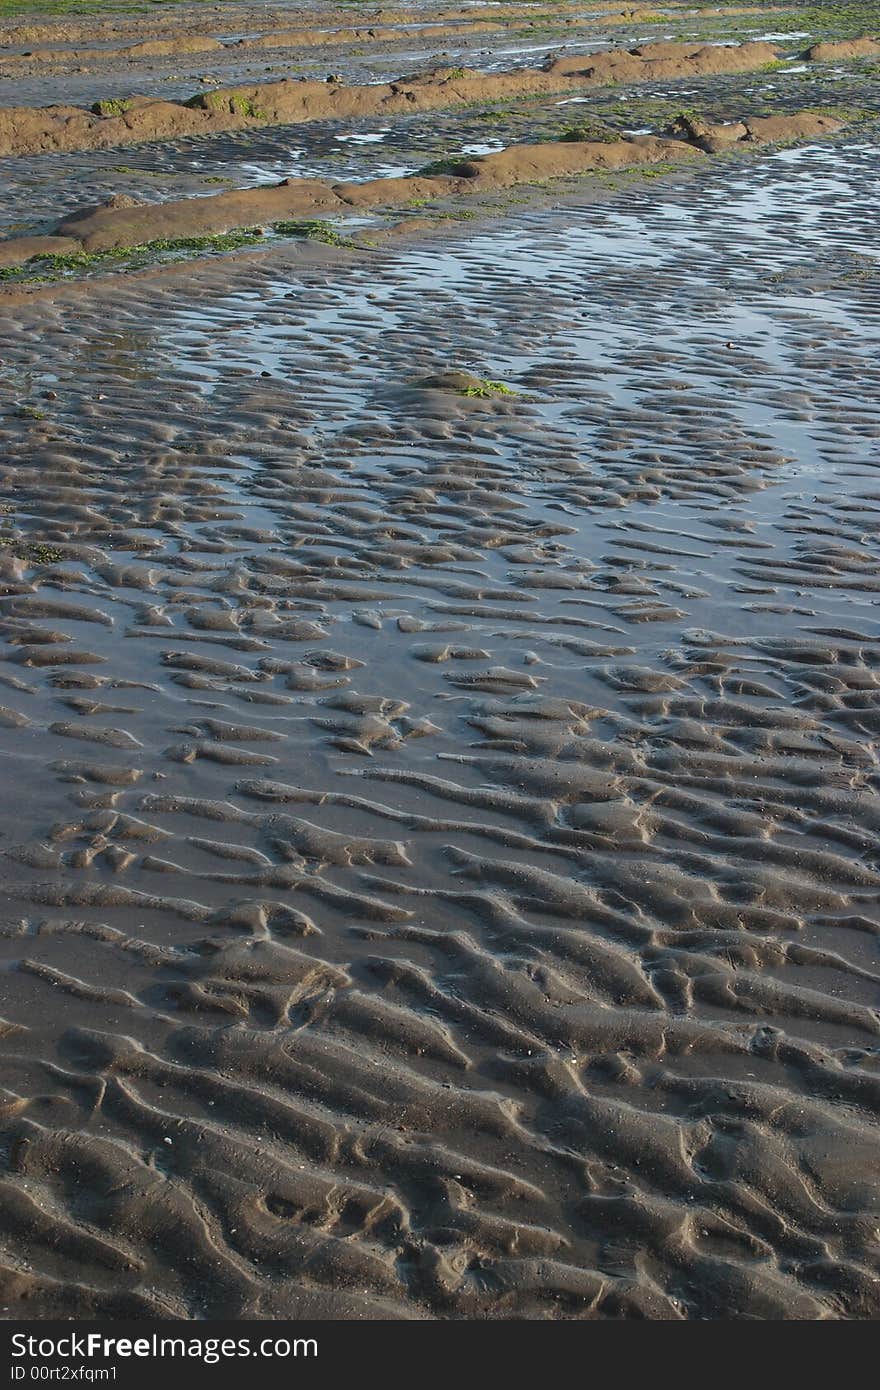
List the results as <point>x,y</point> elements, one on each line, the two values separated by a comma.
<point>24,130</point>
<point>126,223</point>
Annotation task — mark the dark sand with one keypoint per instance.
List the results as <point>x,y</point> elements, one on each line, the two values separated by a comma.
<point>441,841</point>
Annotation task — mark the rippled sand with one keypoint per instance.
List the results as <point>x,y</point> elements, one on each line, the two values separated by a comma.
<point>440,849</point>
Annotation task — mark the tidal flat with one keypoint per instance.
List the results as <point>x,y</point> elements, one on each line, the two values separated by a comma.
<point>439,660</point>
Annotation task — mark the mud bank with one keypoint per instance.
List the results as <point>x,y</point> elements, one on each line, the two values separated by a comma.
<point>287,38</point>
<point>456,25</point>
<point>835,51</point>
<point>25,130</point>
<point>127,223</point>
<point>269,22</point>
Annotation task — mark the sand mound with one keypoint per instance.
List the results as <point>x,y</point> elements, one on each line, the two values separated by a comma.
<point>26,130</point>
<point>125,222</point>
<point>171,48</point>
<point>841,49</point>
<point>765,130</point>
<point>664,60</point>
<point>111,226</point>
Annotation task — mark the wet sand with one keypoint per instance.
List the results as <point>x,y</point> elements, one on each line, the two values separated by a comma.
<point>439,712</point>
